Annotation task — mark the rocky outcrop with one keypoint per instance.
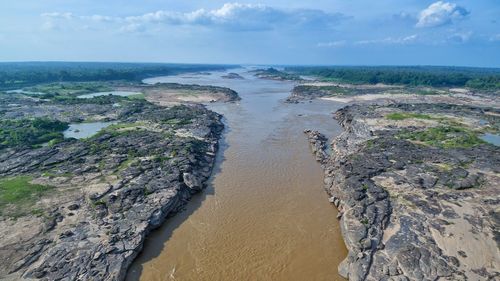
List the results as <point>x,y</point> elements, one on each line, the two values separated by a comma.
<point>275,74</point>
<point>305,92</point>
<point>318,145</point>
<point>107,192</point>
<point>232,75</point>
<point>410,210</point>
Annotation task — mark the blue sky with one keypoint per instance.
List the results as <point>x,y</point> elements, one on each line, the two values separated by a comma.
<point>345,32</point>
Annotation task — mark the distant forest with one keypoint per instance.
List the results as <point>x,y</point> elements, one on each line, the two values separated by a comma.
<point>16,75</point>
<point>435,76</point>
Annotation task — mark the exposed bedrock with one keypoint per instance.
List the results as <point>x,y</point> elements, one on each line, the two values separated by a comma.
<point>410,210</point>
<point>106,193</point>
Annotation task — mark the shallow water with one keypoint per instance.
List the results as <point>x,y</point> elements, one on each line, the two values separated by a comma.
<point>21,91</point>
<point>491,138</point>
<point>265,215</point>
<point>112,93</point>
<point>85,130</point>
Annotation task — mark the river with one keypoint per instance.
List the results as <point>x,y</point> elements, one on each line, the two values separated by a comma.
<point>264,214</point>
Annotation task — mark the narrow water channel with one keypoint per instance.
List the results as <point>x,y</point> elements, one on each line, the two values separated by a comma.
<point>264,215</point>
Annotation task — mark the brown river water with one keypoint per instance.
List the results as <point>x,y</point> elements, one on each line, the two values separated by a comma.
<point>264,214</point>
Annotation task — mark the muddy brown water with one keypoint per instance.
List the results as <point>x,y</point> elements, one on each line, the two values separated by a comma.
<point>264,214</point>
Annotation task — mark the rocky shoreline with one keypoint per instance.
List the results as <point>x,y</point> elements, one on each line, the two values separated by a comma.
<point>101,195</point>
<point>412,207</point>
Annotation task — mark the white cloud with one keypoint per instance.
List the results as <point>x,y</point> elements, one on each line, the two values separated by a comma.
<point>390,40</point>
<point>57,15</point>
<point>99,18</point>
<point>231,16</point>
<point>332,44</point>
<point>441,13</point>
<point>240,17</point>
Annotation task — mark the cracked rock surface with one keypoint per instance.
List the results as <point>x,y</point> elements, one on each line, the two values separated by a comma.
<point>415,209</point>
<point>107,191</point>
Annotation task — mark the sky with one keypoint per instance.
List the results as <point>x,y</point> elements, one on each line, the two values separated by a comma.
<point>288,32</point>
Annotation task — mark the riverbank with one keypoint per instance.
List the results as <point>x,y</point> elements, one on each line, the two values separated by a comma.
<point>81,208</point>
<point>417,190</point>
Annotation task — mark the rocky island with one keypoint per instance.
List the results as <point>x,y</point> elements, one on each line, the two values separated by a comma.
<point>417,186</point>
<point>80,208</point>
<point>232,75</point>
<point>275,74</point>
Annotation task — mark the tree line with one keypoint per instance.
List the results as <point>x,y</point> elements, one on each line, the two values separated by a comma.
<point>23,74</point>
<point>476,78</point>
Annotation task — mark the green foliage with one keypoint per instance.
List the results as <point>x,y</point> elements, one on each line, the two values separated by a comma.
<point>97,203</point>
<point>30,132</point>
<point>18,194</point>
<point>68,89</point>
<point>137,97</point>
<point>23,74</point>
<point>273,73</point>
<point>445,137</point>
<point>476,78</point>
<point>175,122</point>
<point>404,115</point>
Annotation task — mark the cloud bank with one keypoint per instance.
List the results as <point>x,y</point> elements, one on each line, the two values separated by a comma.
<point>231,16</point>
<point>441,13</point>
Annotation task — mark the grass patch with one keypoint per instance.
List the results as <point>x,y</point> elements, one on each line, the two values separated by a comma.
<point>118,129</point>
<point>140,96</point>
<point>18,195</point>
<point>70,89</point>
<point>124,126</point>
<point>403,115</point>
<point>176,122</point>
<point>444,137</point>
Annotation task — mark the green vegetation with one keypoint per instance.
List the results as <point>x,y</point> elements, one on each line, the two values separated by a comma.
<point>404,115</point>
<point>115,130</point>
<point>30,132</point>
<point>476,78</point>
<point>272,73</point>
<point>18,194</point>
<point>125,126</point>
<point>22,74</point>
<point>69,89</point>
<point>176,122</point>
<point>445,137</point>
<point>137,97</point>
<point>68,92</point>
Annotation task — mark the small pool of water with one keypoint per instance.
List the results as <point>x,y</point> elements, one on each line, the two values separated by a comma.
<point>85,130</point>
<point>111,93</point>
<point>491,138</point>
<point>21,91</point>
